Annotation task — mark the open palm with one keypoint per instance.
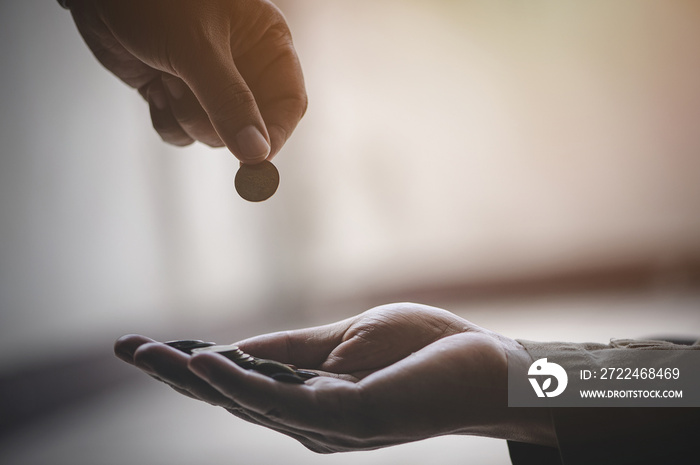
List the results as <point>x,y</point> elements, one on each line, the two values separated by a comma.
<point>393,374</point>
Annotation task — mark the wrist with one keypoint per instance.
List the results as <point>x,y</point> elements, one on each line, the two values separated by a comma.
<point>531,425</point>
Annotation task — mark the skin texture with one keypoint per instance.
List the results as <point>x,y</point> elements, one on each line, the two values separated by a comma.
<point>393,374</point>
<point>217,71</point>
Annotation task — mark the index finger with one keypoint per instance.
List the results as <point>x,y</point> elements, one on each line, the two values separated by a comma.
<point>278,85</point>
<point>125,346</point>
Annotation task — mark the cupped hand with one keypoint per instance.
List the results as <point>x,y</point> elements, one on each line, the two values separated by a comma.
<point>218,71</point>
<point>393,374</point>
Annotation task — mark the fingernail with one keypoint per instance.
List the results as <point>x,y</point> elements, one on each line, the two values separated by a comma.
<point>252,145</point>
<point>175,87</point>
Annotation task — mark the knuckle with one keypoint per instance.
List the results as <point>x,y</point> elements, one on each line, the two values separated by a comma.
<point>278,34</point>
<point>292,106</point>
<point>213,142</point>
<point>174,136</point>
<point>191,123</point>
<point>198,127</point>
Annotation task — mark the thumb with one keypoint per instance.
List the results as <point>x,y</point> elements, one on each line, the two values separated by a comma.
<point>305,348</point>
<point>230,105</point>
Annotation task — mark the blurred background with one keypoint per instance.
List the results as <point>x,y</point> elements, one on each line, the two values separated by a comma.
<point>534,168</point>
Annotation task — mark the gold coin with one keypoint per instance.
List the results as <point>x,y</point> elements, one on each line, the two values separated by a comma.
<point>258,182</point>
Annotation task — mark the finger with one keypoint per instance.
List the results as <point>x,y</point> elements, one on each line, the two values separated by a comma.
<point>164,121</point>
<point>322,414</point>
<point>305,348</point>
<point>251,390</point>
<point>170,366</point>
<point>300,407</point>
<point>152,355</point>
<point>125,346</point>
<point>189,114</point>
<point>277,83</point>
<point>230,104</point>
<point>109,51</point>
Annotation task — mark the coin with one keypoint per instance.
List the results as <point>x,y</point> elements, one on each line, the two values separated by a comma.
<point>305,374</point>
<point>271,368</point>
<point>231,352</point>
<point>258,182</point>
<point>187,345</point>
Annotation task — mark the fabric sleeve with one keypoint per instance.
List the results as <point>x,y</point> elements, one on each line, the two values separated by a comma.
<point>614,436</point>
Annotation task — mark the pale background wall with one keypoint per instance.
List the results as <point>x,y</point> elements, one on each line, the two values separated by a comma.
<point>445,142</point>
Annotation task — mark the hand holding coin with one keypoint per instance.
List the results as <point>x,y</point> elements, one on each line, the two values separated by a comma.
<point>215,71</point>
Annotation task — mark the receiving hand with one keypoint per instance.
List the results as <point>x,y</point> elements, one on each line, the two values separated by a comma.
<point>218,71</point>
<point>393,374</point>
